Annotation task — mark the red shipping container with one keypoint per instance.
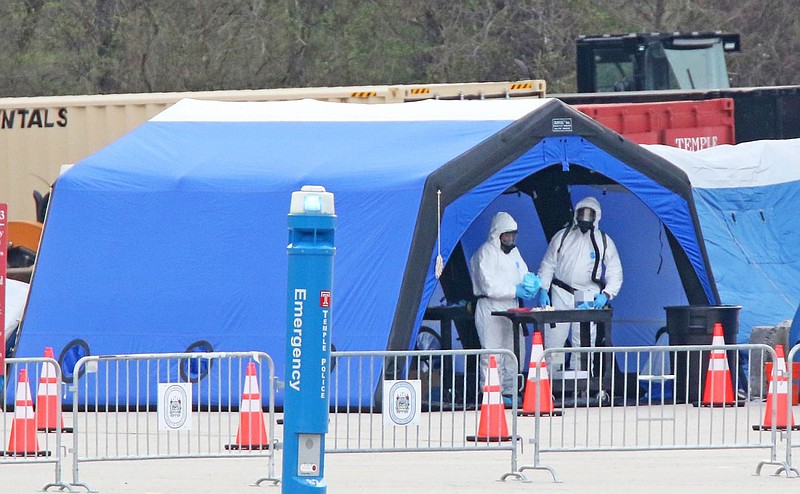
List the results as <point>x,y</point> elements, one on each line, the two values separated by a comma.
<point>688,125</point>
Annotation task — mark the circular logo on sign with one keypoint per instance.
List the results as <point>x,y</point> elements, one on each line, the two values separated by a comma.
<point>177,409</point>
<point>402,403</point>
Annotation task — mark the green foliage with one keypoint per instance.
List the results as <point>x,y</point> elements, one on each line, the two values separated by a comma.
<point>56,47</point>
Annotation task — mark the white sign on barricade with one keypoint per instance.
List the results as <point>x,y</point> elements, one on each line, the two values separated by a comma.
<point>174,406</point>
<point>403,402</point>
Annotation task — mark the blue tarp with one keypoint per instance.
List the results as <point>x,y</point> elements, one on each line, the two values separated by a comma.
<point>747,197</point>
<point>177,232</point>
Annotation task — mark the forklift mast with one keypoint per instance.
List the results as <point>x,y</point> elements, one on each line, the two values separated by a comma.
<point>654,61</point>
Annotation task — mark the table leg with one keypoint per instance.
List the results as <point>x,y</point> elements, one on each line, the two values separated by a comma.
<point>586,342</point>
<point>445,328</point>
<point>516,328</point>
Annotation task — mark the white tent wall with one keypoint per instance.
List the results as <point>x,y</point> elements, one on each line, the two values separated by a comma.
<point>747,197</point>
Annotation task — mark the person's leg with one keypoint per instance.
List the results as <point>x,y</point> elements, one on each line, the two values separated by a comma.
<point>556,336</point>
<point>496,337</point>
<point>575,340</point>
<point>507,366</point>
<point>483,319</point>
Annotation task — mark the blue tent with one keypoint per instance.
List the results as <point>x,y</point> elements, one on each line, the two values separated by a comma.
<point>174,236</point>
<point>747,198</point>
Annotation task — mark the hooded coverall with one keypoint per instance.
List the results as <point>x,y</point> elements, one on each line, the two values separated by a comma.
<point>495,276</point>
<point>571,258</point>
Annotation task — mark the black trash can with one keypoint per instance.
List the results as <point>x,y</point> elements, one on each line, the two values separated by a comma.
<point>694,325</point>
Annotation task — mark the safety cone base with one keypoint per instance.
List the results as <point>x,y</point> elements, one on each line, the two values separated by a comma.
<point>24,453</point>
<point>68,430</point>
<point>488,439</point>
<point>737,403</point>
<point>552,413</point>
<point>247,447</point>
<point>777,427</point>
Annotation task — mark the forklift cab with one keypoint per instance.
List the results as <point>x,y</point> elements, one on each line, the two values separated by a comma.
<point>654,61</point>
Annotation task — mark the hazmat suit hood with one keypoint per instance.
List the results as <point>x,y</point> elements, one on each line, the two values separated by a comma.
<point>592,203</point>
<point>501,223</point>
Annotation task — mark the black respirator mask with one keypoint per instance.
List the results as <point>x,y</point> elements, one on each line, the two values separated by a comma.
<point>585,218</point>
<point>508,241</point>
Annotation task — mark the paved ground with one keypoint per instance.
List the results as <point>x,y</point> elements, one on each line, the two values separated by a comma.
<point>728,471</point>
<point>676,471</point>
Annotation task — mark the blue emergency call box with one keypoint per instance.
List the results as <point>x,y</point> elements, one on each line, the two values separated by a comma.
<point>312,222</point>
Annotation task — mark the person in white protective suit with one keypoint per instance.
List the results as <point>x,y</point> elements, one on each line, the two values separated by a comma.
<point>581,263</point>
<point>499,277</point>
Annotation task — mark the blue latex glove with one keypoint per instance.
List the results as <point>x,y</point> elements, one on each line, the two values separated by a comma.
<point>532,282</point>
<point>600,301</point>
<point>523,292</point>
<point>543,299</point>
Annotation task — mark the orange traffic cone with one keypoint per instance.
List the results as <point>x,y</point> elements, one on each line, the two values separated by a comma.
<point>252,433</point>
<point>48,411</point>
<point>23,440</point>
<point>718,390</point>
<point>492,426</point>
<point>540,388</point>
<point>779,393</point>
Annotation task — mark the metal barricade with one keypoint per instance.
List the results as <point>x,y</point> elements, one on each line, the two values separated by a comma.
<point>622,402</point>
<point>26,434</point>
<point>173,405</point>
<point>449,405</point>
<point>789,426</point>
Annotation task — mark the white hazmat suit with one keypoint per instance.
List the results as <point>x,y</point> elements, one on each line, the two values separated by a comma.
<point>585,262</point>
<point>495,276</point>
